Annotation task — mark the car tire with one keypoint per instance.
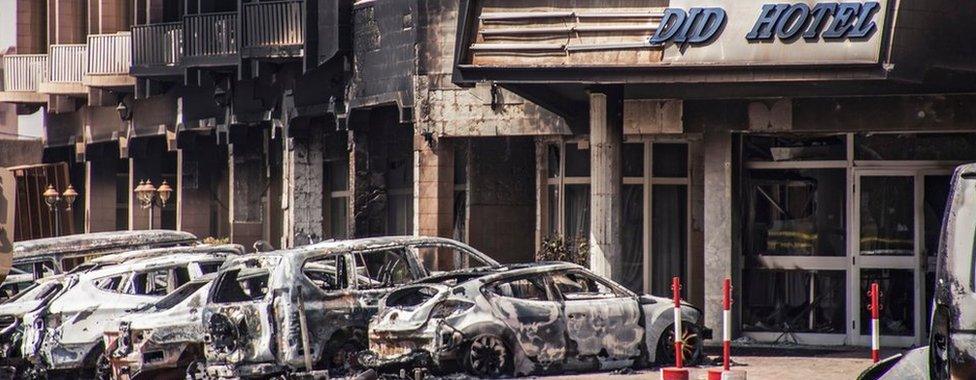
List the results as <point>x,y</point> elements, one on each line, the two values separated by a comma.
<point>939,346</point>
<point>487,356</point>
<point>343,360</point>
<point>692,346</point>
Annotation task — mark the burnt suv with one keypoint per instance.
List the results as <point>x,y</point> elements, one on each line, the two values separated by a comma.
<point>305,311</point>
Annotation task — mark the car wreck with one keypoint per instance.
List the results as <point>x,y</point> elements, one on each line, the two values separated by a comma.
<point>66,336</point>
<point>165,338</point>
<point>12,361</point>
<point>306,311</point>
<point>50,256</point>
<point>526,319</point>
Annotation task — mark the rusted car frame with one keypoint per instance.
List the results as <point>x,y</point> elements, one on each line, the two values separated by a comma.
<point>265,309</point>
<point>66,336</point>
<point>522,320</point>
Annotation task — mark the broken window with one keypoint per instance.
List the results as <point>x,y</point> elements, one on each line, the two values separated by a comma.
<point>915,146</point>
<point>328,273</point>
<point>383,268</point>
<point>887,216</point>
<point>410,297</point>
<point>898,297</point>
<point>444,258</point>
<point>782,147</point>
<point>581,286</point>
<point>210,267</point>
<point>529,288</point>
<point>794,301</point>
<point>108,283</point>
<point>796,212</point>
<point>151,283</point>
<point>178,295</point>
<point>241,285</point>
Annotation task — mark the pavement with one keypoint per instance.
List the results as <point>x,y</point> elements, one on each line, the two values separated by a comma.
<point>774,363</point>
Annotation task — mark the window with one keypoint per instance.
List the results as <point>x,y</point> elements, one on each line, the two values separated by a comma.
<point>152,283</point>
<point>108,283</point>
<point>915,146</point>
<point>241,285</point>
<point>384,268</point>
<point>328,273</point>
<point>210,267</point>
<point>581,286</point>
<point>531,288</point>
<point>443,258</point>
<point>178,296</point>
<point>460,230</point>
<point>794,300</point>
<point>336,185</point>
<point>568,198</point>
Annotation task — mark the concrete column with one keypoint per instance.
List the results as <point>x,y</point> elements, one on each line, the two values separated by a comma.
<point>433,187</point>
<point>717,148</point>
<point>302,188</point>
<point>606,139</point>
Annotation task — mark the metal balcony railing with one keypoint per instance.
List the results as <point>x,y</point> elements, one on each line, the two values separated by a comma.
<point>23,72</point>
<point>157,44</point>
<point>274,23</point>
<point>68,63</point>
<point>109,54</point>
<point>210,34</point>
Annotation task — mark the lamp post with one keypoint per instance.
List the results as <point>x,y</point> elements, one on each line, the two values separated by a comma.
<point>55,201</point>
<point>150,197</point>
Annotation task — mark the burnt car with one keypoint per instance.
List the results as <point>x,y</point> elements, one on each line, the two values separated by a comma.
<point>526,319</point>
<point>66,336</point>
<point>50,256</point>
<point>305,311</point>
<point>164,339</point>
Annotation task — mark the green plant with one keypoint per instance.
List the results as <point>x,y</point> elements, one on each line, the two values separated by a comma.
<point>574,250</point>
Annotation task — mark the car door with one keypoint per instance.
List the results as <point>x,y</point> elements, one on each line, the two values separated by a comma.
<point>239,318</point>
<point>528,307</point>
<point>329,304</point>
<point>379,271</point>
<point>599,314</point>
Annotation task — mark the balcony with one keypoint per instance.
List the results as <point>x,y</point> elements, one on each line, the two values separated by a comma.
<point>67,65</point>
<point>109,60</point>
<point>210,39</point>
<point>22,75</point>
<point>157,49</point>
<point>273,29</point>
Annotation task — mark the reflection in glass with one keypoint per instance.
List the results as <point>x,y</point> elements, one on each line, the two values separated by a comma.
<point>936,194</point>
<point>897,296</point>
<point>794,301</point>
<point>668,236</point>
<point>632,229</point>
<point>796,212</point>
<point>887,216</point>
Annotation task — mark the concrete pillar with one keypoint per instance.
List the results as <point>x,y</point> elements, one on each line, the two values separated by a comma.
<point>302,199</point>
<point>433,187</point>
<point>719,222</point>
<point>606,139</point>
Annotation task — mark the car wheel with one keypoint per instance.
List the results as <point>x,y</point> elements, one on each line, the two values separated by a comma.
<point>488,356</point>
<point>691,345</point>
<point>939,348</point>
<point>343,361</point>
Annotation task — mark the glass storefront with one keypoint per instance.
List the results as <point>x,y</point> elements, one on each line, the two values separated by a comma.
<point>825,216</point>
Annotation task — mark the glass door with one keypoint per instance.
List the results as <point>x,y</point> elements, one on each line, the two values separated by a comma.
<point>894,212</point>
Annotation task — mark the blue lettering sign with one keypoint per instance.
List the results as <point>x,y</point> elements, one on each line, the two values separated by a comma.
<point>831,21</point>
<point>696,26</point>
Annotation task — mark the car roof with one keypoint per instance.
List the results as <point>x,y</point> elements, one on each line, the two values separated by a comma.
<point>97,242</point>
<point>152,262</point>
<point>235,249</point>
<point>335,246</point>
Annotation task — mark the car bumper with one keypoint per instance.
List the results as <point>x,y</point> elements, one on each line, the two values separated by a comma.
<point>230,371</point>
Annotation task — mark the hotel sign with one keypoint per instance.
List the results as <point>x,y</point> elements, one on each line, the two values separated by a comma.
<point>749,32</point>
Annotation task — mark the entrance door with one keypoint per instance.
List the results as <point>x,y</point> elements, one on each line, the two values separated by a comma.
<point>897,216</point>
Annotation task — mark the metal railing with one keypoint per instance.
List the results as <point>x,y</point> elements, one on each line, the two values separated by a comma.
<point>157,44</point>
<point>274,23</point>
<point>210,34</point>
<point>22,72</point>
<point>109,53</point>
<point>68,63</point>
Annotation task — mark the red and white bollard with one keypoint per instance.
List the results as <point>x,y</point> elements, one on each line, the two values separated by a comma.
<point>875,294</point>
<point>725,373</point>
<point>676,372</point>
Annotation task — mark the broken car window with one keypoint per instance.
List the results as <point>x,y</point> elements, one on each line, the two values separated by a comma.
<point>109,283</point>
<point>384,268</point>
<point>531,288</point>
<point>211,267</point>
<point>178,295</point>
<point>581,286</point>
<point>328,274</point>
<point>151,283</point>
<point>249,284</point>
<point>444,258</point>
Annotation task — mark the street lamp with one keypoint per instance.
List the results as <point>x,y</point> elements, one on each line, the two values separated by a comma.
<point>55,201</point>
<point>150,197</point>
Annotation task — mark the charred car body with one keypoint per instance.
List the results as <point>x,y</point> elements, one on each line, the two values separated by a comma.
<point>163,339</point>
<point>66,336</point>
<point>526,319</point>
<point>307,309</point>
